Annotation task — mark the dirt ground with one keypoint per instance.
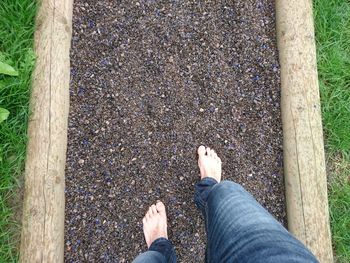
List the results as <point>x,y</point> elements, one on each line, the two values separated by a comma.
<point>151,81</point>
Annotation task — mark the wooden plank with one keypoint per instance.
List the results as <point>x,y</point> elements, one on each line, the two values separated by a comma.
<point>42,237</point>
<point>304,162</point>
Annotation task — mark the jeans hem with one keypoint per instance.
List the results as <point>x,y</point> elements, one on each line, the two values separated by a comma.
<point>165,247</point>
<point>202,190</point>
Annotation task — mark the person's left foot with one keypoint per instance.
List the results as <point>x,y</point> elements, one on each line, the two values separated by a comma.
<point>155,223</point>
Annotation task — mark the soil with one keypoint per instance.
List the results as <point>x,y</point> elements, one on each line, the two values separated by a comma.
<point>151,81</point>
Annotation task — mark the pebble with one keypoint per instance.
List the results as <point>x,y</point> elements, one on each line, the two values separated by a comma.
<point>242,127</point>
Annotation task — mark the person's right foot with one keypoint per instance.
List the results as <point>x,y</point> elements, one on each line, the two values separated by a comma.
<point>209,163</point>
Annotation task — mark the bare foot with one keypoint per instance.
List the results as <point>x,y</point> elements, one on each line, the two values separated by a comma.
<point>155,223</point>
<point>209,163</point>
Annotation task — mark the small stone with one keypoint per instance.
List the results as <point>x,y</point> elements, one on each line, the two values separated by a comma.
<point>81,161</point>
<point>231,147</point>
<point>242,127</point>
<point>181,178</point>
<point>201,110</point>
<point>212,109</point>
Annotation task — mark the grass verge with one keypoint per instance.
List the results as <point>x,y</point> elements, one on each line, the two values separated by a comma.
<point>339,204</point>
<point>16,48</point>
<point>332,28</point>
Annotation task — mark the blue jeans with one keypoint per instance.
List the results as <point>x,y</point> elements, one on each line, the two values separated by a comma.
<point>238,229</point>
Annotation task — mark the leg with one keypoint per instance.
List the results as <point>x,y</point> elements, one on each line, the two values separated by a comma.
<point>150,256</point>
<point>238,228</point>
<point>160,249</point>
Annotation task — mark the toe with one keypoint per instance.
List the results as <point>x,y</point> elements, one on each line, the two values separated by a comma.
<point>160,207</point>
<point>201,151</point>
<point>154,209</point>
<point>212,153</point>
<point>147,216</point>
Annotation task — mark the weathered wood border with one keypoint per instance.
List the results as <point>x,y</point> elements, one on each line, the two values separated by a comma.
<point>304,161</point>
<point>42,238</point>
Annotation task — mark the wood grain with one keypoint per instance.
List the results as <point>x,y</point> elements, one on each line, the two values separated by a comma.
<point>304,161</point>
<point>42,238</point>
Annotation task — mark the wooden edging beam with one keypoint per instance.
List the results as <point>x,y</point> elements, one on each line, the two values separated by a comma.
<point>42,238</point>
<point>304,161</point>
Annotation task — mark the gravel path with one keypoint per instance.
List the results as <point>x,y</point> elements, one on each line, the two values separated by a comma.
<point>151,81</point>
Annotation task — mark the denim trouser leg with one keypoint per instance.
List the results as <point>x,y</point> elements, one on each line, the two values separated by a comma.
<point>239,229</point>
<point>160,251</point>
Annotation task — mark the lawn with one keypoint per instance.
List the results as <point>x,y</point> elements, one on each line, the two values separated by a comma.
<point>16,50</point>
<point>339,202</point>
<point>332,28</point>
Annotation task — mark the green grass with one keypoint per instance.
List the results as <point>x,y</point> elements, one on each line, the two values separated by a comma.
<point>339,203</point>
<point>16,43</point>
<point>332,28</point>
